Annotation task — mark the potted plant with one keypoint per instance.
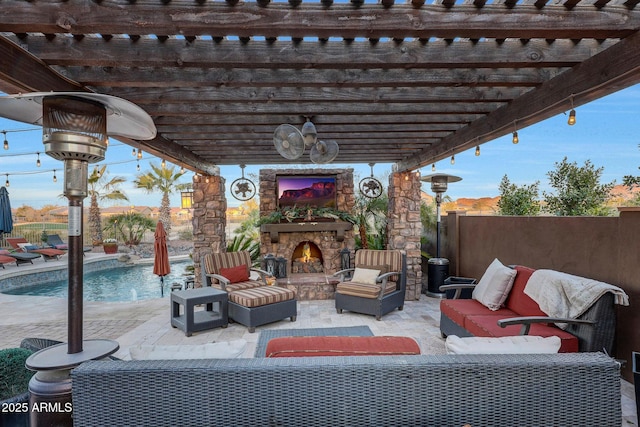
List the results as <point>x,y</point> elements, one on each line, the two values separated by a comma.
<point>110,246</point>
<point>44,237</point>
<point>14,386</point>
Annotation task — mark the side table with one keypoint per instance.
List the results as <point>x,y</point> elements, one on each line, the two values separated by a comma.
<point>193,321</point>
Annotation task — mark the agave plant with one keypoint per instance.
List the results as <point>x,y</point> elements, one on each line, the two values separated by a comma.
<point>242,242</point>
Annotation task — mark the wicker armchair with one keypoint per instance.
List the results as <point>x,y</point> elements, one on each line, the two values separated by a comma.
<point>381,297</point>
<point>218,268</point>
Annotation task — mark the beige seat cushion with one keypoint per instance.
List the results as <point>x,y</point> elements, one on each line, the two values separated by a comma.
<point>264,295</point>
<point>364,290</point>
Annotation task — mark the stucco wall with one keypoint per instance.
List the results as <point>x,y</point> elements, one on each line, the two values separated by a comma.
<point>602,248</point>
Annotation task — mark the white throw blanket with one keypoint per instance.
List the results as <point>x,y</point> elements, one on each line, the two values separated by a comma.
<point>568,296</point>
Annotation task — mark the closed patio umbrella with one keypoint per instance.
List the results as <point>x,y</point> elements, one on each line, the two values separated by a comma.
<point>161,265</point>
<point>6,220</point>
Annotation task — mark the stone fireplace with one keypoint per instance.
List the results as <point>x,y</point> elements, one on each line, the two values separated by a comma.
<point>320,239</point>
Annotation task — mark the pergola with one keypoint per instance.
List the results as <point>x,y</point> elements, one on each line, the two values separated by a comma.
<point>403,83</point>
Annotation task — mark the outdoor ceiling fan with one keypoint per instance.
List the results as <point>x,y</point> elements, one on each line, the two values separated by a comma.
<point>291,143</point>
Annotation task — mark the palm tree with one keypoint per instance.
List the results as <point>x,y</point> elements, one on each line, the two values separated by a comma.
<point>101,188</point>
<point>371,218</point>
<point>163,179</point>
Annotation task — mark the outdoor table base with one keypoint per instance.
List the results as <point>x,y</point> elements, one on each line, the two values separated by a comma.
<point>193,321</point>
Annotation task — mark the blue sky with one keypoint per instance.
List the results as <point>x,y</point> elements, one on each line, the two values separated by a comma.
<point>607,132</point>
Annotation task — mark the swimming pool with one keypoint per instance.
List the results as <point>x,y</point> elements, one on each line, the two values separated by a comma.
<point>124,283</point>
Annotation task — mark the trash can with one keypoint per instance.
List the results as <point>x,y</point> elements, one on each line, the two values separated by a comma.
<point>437,272</point>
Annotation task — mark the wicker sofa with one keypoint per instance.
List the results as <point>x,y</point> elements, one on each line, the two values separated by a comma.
<point>592,331</point>
<point>577,389</point>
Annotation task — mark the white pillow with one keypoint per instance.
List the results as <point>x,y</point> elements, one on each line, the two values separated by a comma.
<point>494,286</point>
<point>365,275</point>
<point>521,344</point>
<point>218,350</point>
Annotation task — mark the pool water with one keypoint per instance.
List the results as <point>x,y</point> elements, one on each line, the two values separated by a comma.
<point>116,284</point>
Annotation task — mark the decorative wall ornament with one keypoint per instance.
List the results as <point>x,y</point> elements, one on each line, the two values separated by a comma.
<point>242,188</point>
<point>370,187</point>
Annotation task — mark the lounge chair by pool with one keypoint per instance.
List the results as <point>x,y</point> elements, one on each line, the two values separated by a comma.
<point>6,259</point>
<point>22,245</point>
<point>56,242</point>
<point>20,258</point>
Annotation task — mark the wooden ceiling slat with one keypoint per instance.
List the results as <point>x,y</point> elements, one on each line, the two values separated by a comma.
<point>327,119</point>
<point>63,51</point>
<point>306,108</point>
<point>240,77</point>
<point>315,20</point>
<point>318,95</point>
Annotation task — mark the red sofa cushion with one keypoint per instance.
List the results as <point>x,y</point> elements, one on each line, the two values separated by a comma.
<point>487,326</point>
<point>340,346</point>
<point>518,301</point>
<point>458,309</point>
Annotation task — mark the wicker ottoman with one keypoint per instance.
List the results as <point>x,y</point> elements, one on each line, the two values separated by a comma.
<point>262,305</point>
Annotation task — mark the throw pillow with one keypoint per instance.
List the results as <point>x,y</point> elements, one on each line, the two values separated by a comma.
<point>494,286</point>
<point>27,246</point>
<point>236,274</point>
<point>365,275</point>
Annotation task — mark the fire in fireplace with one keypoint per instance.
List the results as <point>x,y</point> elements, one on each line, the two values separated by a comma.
<point>307,258</point>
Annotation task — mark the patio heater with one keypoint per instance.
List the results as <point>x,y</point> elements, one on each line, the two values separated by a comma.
<point>438,268</point>
<point>76,127</point>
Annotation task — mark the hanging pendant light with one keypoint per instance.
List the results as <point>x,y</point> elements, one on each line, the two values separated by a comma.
<point>309,133</point>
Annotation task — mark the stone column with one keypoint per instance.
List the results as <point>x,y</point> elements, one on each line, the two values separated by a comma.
<point>209,219</point>
<point>404,227</point>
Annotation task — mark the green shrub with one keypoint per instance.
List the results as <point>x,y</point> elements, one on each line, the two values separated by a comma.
<point>14,376</point>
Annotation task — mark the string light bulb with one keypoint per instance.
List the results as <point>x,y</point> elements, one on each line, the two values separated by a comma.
<point>139,153</point>
<point>453,159</point>
<point>6,183</point>
<point>6,143</point>
<point>55,178</point>
<point>133,152</point>
<point>515,138</point>
<point>163,164</point>
<point>38,164</point>
<point>138,166</point>
<point>477,150</point>
<point>572,114</point>
<point>433,167</point>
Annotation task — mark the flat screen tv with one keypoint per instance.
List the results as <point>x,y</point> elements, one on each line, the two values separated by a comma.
<point>316,191</point>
